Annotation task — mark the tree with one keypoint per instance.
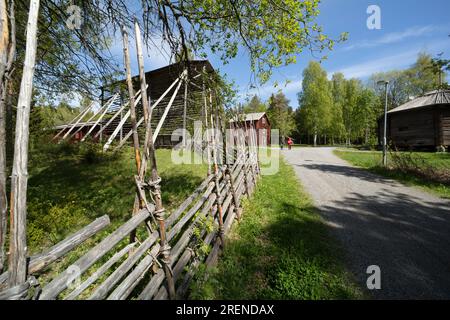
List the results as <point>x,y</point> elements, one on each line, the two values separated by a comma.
<point>280,114</point>
<point>423,76</point>
<point>337,128</point>
<point>255,105</point>
<point>352,90</point>
<point>364,115</point>
<point>316,100</point>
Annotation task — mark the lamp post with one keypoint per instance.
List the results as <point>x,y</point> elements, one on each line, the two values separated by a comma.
<point>385,83</point>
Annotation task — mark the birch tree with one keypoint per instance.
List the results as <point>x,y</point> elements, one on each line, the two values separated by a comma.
<point>316,100</point>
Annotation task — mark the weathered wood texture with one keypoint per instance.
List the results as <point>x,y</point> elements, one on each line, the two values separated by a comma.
<point>137,270</point>
<point>4,43</point>
<point>62,281</point>
<point>18,248</point>
<point>40,261</point>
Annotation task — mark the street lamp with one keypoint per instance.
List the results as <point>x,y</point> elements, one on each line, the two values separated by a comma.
<point>385,83</point>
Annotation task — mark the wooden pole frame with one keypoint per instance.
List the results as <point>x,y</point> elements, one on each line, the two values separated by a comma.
<point>84,113</point>
<point>154,186</point>
<point>128,135</point>
<point>106,108</point>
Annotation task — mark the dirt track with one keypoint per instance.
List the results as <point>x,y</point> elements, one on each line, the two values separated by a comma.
<point>405,231</point>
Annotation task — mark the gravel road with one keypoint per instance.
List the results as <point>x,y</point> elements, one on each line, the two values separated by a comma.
<point>378,221</point>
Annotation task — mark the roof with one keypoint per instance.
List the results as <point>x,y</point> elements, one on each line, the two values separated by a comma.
<point>252,116</point>
<point>436,97</point>
<point>173,70</point>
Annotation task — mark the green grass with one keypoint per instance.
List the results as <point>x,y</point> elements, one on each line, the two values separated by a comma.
<point>371,160</point>
<point>280,250</point>
<point>71,186</point>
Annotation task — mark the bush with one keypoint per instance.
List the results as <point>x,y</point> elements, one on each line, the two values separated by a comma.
<point>414,164</point>
<point>91,153</point>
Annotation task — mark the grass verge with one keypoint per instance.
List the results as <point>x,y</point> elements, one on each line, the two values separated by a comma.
<point>371,160</point>
<point>280,250</point>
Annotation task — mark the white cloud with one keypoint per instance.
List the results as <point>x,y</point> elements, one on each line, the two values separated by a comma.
<point>397,61</point>
<point>367,68</point>
<point>395,37</point>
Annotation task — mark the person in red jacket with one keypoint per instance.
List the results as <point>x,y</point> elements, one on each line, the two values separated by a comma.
<point>290,143</point>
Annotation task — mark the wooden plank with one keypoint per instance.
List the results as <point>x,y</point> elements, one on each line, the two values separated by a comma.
<point>69,125</point>
<point>18,245</point>
<point>40,261</point>
<point>89,120</point>
<point>106,108</point>
<point>179,225</point>
<point>128,135</point>
<point>102,291</point>
<point>60,283</point>
<point>118,113</point>
<point>125,288</point>
<point>117,130</point>
<point>166,111</point>
<point>99,272</point>
<point>176,214</point>
<point>84,113</point>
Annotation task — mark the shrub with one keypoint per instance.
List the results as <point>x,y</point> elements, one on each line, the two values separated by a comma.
<point>414,164</point>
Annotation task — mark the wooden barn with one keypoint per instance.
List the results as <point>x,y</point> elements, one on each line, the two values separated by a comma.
<point>423,122</point>
<point>177,95</point>
<point>259,121</point>
<point>158,81</point>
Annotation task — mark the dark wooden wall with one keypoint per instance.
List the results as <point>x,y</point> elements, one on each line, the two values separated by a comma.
<point>425,127</point>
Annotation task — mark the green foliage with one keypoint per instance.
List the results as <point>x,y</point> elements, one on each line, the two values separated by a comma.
<point>66,192</point>
<point>280,114</point>
<point>417,80</point>
<point>280,250</point>
<point>273,32</point>
<point>255,105</point>
<point>316,100</point>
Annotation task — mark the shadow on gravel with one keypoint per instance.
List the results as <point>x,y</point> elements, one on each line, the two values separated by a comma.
<point>348,172</point>
<point>409,239</point>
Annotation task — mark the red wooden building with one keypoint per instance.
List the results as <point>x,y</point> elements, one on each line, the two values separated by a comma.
<point>260,121</point>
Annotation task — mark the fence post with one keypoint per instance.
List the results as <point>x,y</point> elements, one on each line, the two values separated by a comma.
<point>154,183</point>
<point>18,243</point>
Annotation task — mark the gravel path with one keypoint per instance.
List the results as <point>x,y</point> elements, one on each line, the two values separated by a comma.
<point>405,231</point>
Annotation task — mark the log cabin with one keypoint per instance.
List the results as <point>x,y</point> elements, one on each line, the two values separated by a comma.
<point>158,81</point>
<point>421,123</point>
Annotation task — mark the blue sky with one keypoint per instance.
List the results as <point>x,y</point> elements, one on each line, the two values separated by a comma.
<point>407,28</point>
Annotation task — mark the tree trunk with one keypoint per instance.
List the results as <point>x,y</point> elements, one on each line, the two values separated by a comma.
<point>18,246</point>
<point>315,139</point>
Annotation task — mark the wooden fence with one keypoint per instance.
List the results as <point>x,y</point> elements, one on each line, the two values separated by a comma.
<point>155,254</point>
<point>194,234</point>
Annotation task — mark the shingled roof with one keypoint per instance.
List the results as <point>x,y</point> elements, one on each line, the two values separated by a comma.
<point>436,97</point>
